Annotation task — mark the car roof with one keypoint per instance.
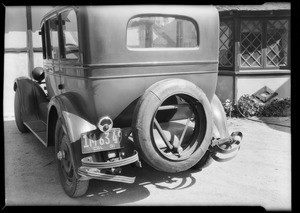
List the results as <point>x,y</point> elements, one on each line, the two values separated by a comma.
<point>140,8</point>
<point>54,11</point>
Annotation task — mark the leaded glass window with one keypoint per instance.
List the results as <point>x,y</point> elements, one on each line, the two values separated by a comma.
<point>277,42</point>
<point>251,43</point>
<point>263,43</point>
<point>226,48</point>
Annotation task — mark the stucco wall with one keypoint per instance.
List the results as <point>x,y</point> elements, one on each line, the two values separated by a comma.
<point>225,88</point>
<point>251,84</point>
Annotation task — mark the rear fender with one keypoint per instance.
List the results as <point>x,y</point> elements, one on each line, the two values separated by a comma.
<point>71,114</point>
<point>65,107</point>
<point>224,147</point>
<point>31,95</point>
<point>220,129</point>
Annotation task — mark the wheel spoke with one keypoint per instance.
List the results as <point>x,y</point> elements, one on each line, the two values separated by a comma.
<point>175,137</point>
<point>161,133</point>
<point>184,131</point>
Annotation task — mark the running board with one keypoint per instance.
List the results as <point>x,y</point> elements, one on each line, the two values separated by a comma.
<point>39,129</point>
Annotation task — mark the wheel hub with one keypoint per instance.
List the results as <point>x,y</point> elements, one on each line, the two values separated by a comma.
<point>60,155</point>
<point>64,155</point>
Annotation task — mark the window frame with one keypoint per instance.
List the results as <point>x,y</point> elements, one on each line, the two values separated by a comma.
<point>62,49</point>
<point>49,46</point>
<point>264,64</point>
<point>264,18</point>
<point>186,18</point>
<point>233,37</point>
<point>262,60</point>
<point>48,43</point>
<point>288,43</point>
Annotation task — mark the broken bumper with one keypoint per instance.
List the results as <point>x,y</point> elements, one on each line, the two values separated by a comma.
<point>92,170</point>
<point>226,149</point>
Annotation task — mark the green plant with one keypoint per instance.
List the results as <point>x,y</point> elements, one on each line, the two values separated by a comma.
<point>230,109</point>
<point>249,105</point>
<point>277,108</point>
<point>227,107</point>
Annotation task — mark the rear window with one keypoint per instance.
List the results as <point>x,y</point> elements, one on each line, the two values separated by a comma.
<point>161,32</point>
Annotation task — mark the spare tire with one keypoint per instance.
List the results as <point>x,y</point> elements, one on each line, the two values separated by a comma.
<point>174,145</point>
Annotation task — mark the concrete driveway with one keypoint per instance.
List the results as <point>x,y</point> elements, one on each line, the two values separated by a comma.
<point>259,176</point>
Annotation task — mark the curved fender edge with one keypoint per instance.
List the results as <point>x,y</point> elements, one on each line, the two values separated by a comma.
<point>71,115</point>
<point>31,95</point>
<point>74,123</point>
<point>219,118</point>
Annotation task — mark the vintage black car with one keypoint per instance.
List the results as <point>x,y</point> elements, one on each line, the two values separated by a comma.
<point>125,84</point>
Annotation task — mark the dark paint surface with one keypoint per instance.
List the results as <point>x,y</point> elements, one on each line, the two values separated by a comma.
<point>109,76</point>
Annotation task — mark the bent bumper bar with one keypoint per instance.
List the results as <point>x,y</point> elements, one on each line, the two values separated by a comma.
<point>89,173</point>
<point>227,147</point>
<point>92,170</point>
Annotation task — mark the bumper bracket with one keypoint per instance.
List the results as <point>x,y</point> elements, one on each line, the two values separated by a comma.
<point>227,147</point>
<point>92,170</point>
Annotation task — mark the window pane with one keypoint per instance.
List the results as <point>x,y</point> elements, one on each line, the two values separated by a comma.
<point>70,32</point>
<point>226,44</point>
<point>277,42</point>
<point>161,32</point>
<point>251,43</point>
<point>53,25</point>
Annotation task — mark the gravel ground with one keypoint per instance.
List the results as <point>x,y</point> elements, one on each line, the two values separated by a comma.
<point>259,176</point>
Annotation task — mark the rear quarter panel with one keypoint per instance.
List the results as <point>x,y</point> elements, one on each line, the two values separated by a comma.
<point>114,90</point>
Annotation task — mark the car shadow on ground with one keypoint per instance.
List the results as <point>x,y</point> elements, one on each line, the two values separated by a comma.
<point>113,193</point>
<point>106,192</point>
<point>116,193</point>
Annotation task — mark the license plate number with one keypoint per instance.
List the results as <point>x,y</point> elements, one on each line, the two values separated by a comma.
<point>95,141</point>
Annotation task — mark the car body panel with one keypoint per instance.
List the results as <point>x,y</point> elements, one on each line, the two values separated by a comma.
<point>109,76</point>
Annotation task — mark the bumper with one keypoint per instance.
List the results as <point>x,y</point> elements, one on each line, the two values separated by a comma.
<point>227,148</point>
<point>92,170</point>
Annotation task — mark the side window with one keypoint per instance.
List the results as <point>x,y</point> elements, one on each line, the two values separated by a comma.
<point>53,31</point>
<point>70,35</point>
<point>161,32</point>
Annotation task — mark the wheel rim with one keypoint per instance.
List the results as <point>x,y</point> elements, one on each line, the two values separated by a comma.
<point>179,138</point>
<point>64,158</point>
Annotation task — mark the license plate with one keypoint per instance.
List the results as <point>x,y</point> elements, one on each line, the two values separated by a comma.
<point>95,141</point>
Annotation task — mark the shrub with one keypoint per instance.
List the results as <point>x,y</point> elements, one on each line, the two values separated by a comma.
<point>249,106</point>
<point>230,109</point>
<point>277,108</point>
